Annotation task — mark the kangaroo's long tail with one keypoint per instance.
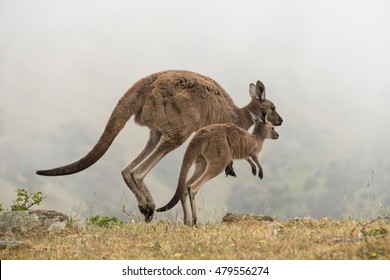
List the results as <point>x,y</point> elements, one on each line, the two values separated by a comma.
<point>121,114</point>
<point>189,157</point>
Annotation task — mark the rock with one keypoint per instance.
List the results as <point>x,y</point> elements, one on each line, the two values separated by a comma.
<point>10,243</point>
<point>233,217</point>
<point>37,221</point>
<point>51,220</point>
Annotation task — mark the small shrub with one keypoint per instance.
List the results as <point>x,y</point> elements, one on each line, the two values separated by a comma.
<point>103,221</point>
<point>377,232</point>
<point>25,200</point>
<point>1,207</point>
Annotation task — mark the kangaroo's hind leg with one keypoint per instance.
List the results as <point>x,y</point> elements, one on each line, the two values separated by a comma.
<point>213,169</point>
<point>134,176</point>
<point>200,167</point>
<point>154,138</point>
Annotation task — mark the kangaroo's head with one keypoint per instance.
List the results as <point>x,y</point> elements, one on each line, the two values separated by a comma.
<point>263,128</point>
<point>257,92</point>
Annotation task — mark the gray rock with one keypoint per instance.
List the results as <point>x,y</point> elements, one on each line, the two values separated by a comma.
<point>233,217</point>
<point>10,243</point>
<point>32,221</point>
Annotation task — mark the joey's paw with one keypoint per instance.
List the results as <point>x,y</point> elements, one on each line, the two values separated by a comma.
<point>230,172</point>
<point>261,175</point>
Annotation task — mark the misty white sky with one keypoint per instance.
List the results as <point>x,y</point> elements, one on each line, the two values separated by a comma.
<point>65,64</point>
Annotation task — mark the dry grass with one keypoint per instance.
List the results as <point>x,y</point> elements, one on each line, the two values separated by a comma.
<point>249,239</point>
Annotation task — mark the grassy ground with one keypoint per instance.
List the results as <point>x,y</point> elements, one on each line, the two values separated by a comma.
<point>306,238</point>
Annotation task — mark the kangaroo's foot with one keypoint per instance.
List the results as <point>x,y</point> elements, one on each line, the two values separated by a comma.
<point>146,204</point>
<point>145,201</point>
<point>147,211</point>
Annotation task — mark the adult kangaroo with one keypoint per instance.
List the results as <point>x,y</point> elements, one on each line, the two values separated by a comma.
<point>173,104</point>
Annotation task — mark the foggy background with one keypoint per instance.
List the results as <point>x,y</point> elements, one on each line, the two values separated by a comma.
<point>325,64</point>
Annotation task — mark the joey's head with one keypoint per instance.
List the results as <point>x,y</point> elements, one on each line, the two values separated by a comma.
<point>263,128</point>
<point>259,102</point>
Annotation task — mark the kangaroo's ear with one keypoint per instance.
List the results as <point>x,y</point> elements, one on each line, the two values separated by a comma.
<point>252,90</point>
<point>260,91</point>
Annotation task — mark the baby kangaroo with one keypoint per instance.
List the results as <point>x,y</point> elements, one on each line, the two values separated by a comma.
<point>212,149</point>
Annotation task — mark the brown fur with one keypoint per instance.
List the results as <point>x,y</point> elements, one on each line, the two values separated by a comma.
<point>173,104</point>
<point>211,149</point>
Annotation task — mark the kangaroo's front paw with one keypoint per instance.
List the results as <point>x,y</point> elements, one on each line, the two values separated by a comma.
<point>229,171</point>
<point>254,171</point>
<point>260,174</point>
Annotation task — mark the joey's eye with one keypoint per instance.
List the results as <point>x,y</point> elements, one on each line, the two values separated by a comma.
<point>273,108</point>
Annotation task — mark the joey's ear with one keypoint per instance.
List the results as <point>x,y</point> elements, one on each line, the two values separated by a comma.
<point>263,115</point>
<point>252,90</point>
<point>260,91</point>
<point>254,117</point>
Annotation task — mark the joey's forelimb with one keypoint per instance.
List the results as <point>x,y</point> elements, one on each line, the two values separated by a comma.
<point>229,170</point>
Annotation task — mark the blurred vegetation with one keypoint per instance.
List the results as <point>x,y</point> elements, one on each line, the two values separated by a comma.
<point>25,200</point>
<point>103,221</point>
